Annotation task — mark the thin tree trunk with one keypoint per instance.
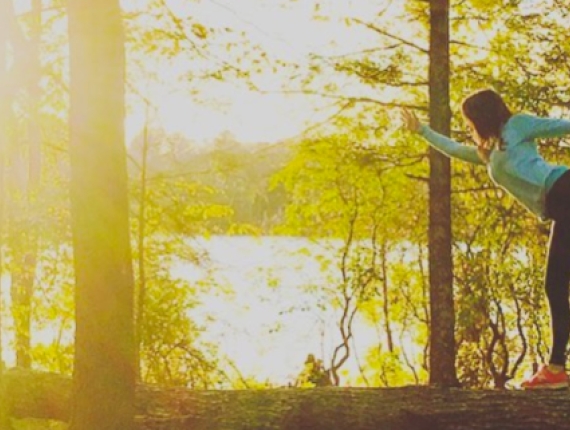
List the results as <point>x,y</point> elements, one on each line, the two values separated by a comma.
<point>34,129</point>
<point>1,237</point>
<point>442,316</point>
<point>29,254</point>
<point>22,232</point>
<point>141,297</point>
<point>105,364</point>
<point>386,300</point>
<point>4,108</point>
<point>21,313</point>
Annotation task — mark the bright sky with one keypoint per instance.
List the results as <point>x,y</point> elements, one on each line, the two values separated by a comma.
<point>286,29</point>
<point>290,33</point>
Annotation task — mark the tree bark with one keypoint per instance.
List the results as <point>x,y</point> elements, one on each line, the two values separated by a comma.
<point>141,286</point>
<point>22,233</point>
<point>104,367</point>
<point>4,108</point>
<point>39,395</point>
<point>442,313</point>
<point>386,300</point>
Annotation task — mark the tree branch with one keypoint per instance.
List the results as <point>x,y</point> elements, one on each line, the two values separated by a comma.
<point>353,99</point>
<point>391,36</point>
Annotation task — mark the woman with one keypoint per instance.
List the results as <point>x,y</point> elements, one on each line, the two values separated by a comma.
<point>505,145</point>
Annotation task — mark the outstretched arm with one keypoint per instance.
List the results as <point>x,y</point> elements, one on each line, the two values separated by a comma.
<point>534,127</point>
<point>440,142</point>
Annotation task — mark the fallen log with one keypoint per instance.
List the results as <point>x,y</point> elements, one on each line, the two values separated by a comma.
<point>42,395</point>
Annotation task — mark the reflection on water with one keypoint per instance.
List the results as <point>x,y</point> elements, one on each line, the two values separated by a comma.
<point>266,321</point>
<point>272,322</point>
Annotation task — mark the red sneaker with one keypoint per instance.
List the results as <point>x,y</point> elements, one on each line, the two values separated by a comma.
<point>544,379</point>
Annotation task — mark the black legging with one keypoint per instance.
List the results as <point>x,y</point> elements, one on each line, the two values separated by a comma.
<point>558,267</point>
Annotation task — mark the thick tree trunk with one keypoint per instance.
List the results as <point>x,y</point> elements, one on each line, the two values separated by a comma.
<point>442,314</point>
<point>104,367</point>
<point>411,408</point>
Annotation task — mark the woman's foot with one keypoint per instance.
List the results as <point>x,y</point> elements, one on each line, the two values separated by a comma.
<point>547,379</point>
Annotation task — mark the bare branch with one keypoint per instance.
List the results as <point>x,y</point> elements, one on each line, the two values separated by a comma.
<point>470,45</point>
<point>182,32</point>
<point>359,53</point>
<point>353,99</point>
<point>418,178</point>
<point>391,36</point>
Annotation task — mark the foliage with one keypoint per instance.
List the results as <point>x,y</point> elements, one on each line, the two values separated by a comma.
<point>354,185</point>
<point>356,195</point>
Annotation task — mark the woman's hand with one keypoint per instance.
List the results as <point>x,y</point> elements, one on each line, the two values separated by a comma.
<point>410,120</point>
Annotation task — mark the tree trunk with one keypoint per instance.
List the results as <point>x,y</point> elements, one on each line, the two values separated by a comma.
<point>21,295</point>
<point>386,300</point>
<point>142,283</point>
<point>4,107</point>
<point>442,314</point>
<point>34,88</point>
<point>22,232</point>
<point>25,236</point>
<point>104,367</point>
<point>412,408</point>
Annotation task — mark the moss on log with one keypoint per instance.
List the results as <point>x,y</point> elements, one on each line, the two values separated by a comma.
<point>40,395</point>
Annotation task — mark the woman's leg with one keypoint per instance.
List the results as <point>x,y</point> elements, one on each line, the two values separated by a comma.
<point>557,278</point>
<point>557,286</point>
<point>557,283</point>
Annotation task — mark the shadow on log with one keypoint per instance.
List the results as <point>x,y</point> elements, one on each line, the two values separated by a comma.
<point>28,394</point>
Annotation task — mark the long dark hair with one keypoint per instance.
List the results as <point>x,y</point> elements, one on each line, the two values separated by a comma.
<point>488,113</point>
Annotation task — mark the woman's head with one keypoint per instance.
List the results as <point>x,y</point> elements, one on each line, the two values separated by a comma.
<point>485,113</point>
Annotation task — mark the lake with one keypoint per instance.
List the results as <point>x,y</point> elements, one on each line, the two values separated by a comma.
<point>271,322</point>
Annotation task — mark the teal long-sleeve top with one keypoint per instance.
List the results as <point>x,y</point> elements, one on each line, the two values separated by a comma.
<point>518,168</point>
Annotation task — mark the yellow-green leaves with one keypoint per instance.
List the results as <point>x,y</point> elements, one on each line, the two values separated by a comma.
<point>199,30</point>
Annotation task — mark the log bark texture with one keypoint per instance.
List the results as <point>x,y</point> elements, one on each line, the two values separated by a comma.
<point>29,394</point>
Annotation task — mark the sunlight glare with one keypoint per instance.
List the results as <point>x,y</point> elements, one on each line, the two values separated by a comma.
<point>292,32</point>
